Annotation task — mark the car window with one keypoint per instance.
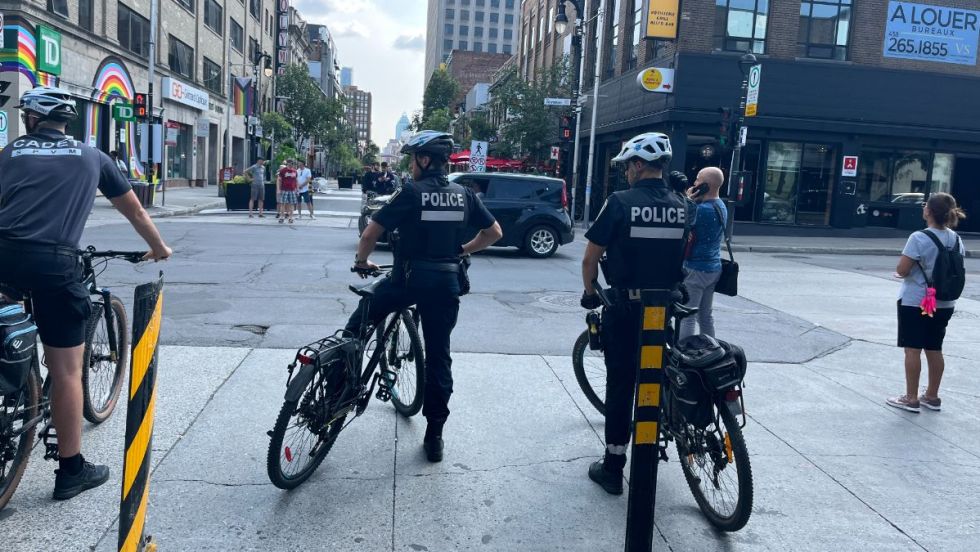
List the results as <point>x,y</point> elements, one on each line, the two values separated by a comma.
<point>519,189</point>
<point>478,184</point>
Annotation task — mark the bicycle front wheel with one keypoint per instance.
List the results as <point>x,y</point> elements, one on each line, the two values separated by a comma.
<point>716,466</point>
<point>104,363</point>
<point>403,355</point>
<point>16,409</point>
<point>590,371</point>
<point>307,428</point>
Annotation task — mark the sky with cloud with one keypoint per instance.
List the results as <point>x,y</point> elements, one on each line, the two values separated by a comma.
<point>384,41</point>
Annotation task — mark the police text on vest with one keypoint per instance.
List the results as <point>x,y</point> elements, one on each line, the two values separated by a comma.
<point>670,215</point>
<point>442,199</point>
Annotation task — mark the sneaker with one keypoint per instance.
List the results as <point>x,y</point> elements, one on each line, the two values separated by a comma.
<point>904,402</point>
<point>312,217</point>
<point>611,481</point>
<point>91,476</point>
<point>250,216</point>
<point>932,404</point>
<point>433,449</point>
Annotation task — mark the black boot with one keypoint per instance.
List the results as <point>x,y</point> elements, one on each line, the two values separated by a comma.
<point>433,443</point>
<point>608,473</point>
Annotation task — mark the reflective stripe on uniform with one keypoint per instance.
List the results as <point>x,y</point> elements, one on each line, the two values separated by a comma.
<point>656,233</point>
<point>443,216</point>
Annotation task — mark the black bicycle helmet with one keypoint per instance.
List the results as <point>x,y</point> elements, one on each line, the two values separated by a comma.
<point>49,103</point>
<point>430,141</point>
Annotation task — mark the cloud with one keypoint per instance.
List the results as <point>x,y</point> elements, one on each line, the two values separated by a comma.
<point>350,29</point>
<point>349,6</point>
<point>410,42</point>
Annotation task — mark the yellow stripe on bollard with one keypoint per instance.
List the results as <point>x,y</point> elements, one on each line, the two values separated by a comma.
<point>654,318</point>
<point>139,447</point>
<point>651,356</point>
<point>648,395</point>
<point>145,349</point>
<point>646,433</point>
<point>134,540</point>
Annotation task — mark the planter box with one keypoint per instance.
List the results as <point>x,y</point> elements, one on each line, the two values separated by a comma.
<point>144,192</point>
<point>237,195</point>
<point>345,182</point>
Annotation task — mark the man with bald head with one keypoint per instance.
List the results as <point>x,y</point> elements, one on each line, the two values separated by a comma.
<point>703,266</point>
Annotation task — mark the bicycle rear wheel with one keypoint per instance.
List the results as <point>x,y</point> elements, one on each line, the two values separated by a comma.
<point>15,451</point>
<point>307,428</point>
<point>403,355</point>
<point>102,369</point>
<point>590,371</point>
<point>716,466</point>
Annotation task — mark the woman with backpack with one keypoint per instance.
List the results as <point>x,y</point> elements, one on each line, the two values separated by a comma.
<point>932,270</point>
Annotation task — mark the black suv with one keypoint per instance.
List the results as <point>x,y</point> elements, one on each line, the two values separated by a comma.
<point>532,210</point>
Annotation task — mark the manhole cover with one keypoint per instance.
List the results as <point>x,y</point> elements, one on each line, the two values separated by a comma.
<point>564,302</point>
<point>252,328</point>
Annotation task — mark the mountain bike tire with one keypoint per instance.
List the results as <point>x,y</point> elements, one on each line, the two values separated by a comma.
<point>585,376</point>
<point>11,471</point>
<point>743,507</point>
<point>102,377</point>
<point>408,362</point>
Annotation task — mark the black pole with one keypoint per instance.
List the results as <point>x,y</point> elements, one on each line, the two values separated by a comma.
<point>736,166</point>
<point>149,129</point>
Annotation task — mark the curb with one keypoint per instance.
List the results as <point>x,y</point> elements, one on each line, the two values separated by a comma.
<point>183,211</point>
<point>879,251</point>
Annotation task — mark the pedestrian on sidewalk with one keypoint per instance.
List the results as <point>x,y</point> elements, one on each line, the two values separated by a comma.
<point>256,177</point>
<point>120,164</point>
<point>702,269</point>
<point>288,185</point>
<point>917,328</point>
<point>303,178</point>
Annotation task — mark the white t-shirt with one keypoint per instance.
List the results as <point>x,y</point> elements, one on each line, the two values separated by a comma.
<point>921,248</point>
<point>303,178</point>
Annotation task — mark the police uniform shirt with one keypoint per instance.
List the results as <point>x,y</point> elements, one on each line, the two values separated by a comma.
<point>432,217</point>
<point>644,230</point>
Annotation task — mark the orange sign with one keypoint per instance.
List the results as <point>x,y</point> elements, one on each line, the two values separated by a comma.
<point>662,19</point>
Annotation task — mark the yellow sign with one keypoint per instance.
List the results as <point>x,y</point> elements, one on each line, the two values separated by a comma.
<point>662,19</point>
<point>652,79</point>
<point>751,110</point>
<point>656,79</point>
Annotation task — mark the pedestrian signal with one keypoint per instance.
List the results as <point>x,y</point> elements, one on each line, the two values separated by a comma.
<point>139,106</point>
<point>566,130</point>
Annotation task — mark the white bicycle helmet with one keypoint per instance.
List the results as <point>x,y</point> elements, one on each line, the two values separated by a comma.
<point>651,146</point>
<point>430,141</point>
<point>49,103</point>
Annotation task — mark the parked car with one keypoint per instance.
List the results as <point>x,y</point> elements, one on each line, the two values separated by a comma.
<point>532,210</point>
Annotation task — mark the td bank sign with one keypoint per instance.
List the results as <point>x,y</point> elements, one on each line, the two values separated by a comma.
<point>48,50</point>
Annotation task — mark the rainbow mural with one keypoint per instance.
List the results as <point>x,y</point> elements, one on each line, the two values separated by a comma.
<point>112,82</point>
<point>24,58</point>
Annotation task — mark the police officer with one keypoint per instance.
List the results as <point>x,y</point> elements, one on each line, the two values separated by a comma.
<point>431,216</point>
<point>642,231</point>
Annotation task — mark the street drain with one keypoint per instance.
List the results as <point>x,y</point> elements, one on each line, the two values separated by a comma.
<point>252,328</point>
<point>565,302</point>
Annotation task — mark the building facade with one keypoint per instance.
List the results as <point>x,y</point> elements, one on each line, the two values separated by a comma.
<point>401,127</point>
<point>205,65</point>
<point>347,76</point>
<point>862,107</point>
<point>324,61</point>
<point>490,26</point>
<point>541,45</point>
<point>470,68</point>
<point>359,113</point>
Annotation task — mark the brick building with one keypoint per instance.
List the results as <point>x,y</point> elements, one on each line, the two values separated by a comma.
<point>359,113</point>
<point>470,68</point>
<point>101,51</point>
<point>835,82</point>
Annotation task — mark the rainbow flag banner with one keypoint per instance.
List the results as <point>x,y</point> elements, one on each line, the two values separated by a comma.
<point>243,96</point>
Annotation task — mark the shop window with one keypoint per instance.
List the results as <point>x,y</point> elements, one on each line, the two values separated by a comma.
<point>133,31</point>
<point>181,58</point>
<point>909,177</point>
<point>782,182</point>
<point>179,156</point>
<point>816,182</point>
<point>237,36</point>
<point>824,28</point>
<point>740,25</point>
<point>59,7</point>
<point>212,76</point>
<point>898,177</point>
<point>85,14</point>
<point>213,16</point>
<point>189,4</point>
<point>799,183</point>
<point>942,173</point>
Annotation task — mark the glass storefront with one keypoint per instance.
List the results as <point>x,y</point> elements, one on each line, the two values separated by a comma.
<point>799,183</point>
<point>902,177</point>
<point>179,156</point>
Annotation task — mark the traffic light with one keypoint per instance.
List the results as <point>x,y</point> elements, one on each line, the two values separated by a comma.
<point>566,129</point>
<point>139,106</point>
<point>725,129</point>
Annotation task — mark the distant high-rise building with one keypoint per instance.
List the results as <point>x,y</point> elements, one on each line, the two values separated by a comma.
<point>323,60</point>
<point>492,27</point>
<point>359,113</point>
<point>402,126</point>
<point>346,76</point>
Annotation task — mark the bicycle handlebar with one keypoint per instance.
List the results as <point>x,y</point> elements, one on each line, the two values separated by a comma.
<point>371,271</point>
<point>132,256</point>
<point>678,297</point>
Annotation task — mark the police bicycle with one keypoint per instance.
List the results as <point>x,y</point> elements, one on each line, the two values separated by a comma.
<point>334,378</point>
<point>701,401</point>
<point>106,356</point>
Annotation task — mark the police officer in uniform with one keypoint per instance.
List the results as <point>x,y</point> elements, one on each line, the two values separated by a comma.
<point>432,216</point>
<point>642,231</point>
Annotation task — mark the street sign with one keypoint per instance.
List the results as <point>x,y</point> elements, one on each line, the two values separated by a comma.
<point>3,129</point>
<point>752,98</point>
<point>478,156</point>
<point>555,152</point>
<point>564,102</point>
<point>850,166</point>
<point>661,19</point>
<point>743,136</point>
<point>123,112</point>
<point>655,79</point>
<point>157,143</point>
<point>48,50</point>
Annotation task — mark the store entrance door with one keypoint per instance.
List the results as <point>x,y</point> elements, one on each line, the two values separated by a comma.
<point>799,182</point>
<point>967,191</point>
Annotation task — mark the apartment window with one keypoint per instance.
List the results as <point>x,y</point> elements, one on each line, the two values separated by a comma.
<point>212,76</point>
<point>614,28</point>
<point>255,8</point>
<point>463,45</point>
<point>508,34</point>
<point>464,15</point>
<point>464,2</point>
<point>507,49</point>
<point>477,32</point>
<point>492,48</point>
<point>481,3</point>
<point>508,19</point>
<point>479,16</point>
<point>85,14</point>
<point>464,30</point>
<point>541,23</point>
<point>824,28</point>
<point>636,38</point>
<point>189,4</point>
<point>448,28</point>
<point>740,25</point>
<point>181,58</point>
<point>495,18</point>
<point>253,50</point>
<point>450,14</point>
<point>510,4</point>
<point>133,31</point>
<point>477,46</point>
<point>447,44</point>
<point>493,33</point>
<point>267,21</point>
<point>551,20</point>
<point>213,16</point>
<point>494,3</point>
<point>237,36</point>
<point>59,7</point>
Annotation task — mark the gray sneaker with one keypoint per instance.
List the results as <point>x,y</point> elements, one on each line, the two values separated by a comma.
<point>904,402</point>
<point>932,404</point>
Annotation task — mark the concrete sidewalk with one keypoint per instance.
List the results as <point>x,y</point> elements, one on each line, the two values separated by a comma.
<point>179,201</point>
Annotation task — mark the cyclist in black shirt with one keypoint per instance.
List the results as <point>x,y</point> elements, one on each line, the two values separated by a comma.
<point>47,187</point>
<point>431,215</point>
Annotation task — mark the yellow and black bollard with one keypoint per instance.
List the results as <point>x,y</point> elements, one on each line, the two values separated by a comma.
<point>147,314</point>
<point>646,416</point>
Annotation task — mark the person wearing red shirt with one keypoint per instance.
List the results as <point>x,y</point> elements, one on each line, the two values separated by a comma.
<point>288,190</point>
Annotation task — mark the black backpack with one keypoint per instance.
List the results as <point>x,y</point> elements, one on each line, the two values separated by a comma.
<point>949,273</point>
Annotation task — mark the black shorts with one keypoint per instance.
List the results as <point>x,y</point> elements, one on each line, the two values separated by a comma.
<point>305,197</point>
<point>61,304</point>
<point>916,331</point>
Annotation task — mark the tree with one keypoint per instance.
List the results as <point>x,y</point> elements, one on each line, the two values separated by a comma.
<point>306,108</point>
<point>274,124</point>
<point>531,127</point>
<point>439,93</point>
<point>439,119</point>
<point>480,126</point>
<point>371,154</point>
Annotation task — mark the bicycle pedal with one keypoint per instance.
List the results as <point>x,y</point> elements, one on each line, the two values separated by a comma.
<point>383,394</point>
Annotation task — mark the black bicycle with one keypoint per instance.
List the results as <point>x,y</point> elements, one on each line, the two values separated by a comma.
<point>701,398</point>
<point>105,359</point>
<point>336,377</point>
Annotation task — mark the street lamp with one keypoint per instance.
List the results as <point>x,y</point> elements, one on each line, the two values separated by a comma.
<point>745,64</point>
<point>561,24</point>
<point>561,20</point>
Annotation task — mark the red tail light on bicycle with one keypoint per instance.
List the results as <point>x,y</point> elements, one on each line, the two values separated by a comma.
<point>733,395</point>
<point>304,359</point>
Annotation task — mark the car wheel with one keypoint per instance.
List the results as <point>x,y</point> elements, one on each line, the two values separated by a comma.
<point>541,242</point>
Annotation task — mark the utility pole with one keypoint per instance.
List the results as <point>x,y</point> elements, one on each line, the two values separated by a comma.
<point>580,64</point>
<point>151,73</point>
<point>600,36</point>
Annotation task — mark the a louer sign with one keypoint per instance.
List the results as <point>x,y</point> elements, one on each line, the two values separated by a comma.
<point>931,33</point>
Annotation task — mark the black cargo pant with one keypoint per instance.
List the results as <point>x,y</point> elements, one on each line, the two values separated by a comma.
<point>436,295</point>
<point>620,342</point>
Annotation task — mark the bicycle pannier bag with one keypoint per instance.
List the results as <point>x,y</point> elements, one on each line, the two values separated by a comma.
<point>949,273</point>
<point>18,338</point>
<point>691,399</point>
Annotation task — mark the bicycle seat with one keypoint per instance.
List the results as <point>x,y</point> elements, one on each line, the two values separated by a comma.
<point>12,293</point>
<point>366,290</point>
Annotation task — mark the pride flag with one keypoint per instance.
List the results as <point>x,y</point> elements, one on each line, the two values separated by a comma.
<point>243,96</point>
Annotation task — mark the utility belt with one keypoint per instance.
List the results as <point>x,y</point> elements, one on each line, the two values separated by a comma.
<point>42,248</point>
<point>459,267</point>
<point>433,266</point>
